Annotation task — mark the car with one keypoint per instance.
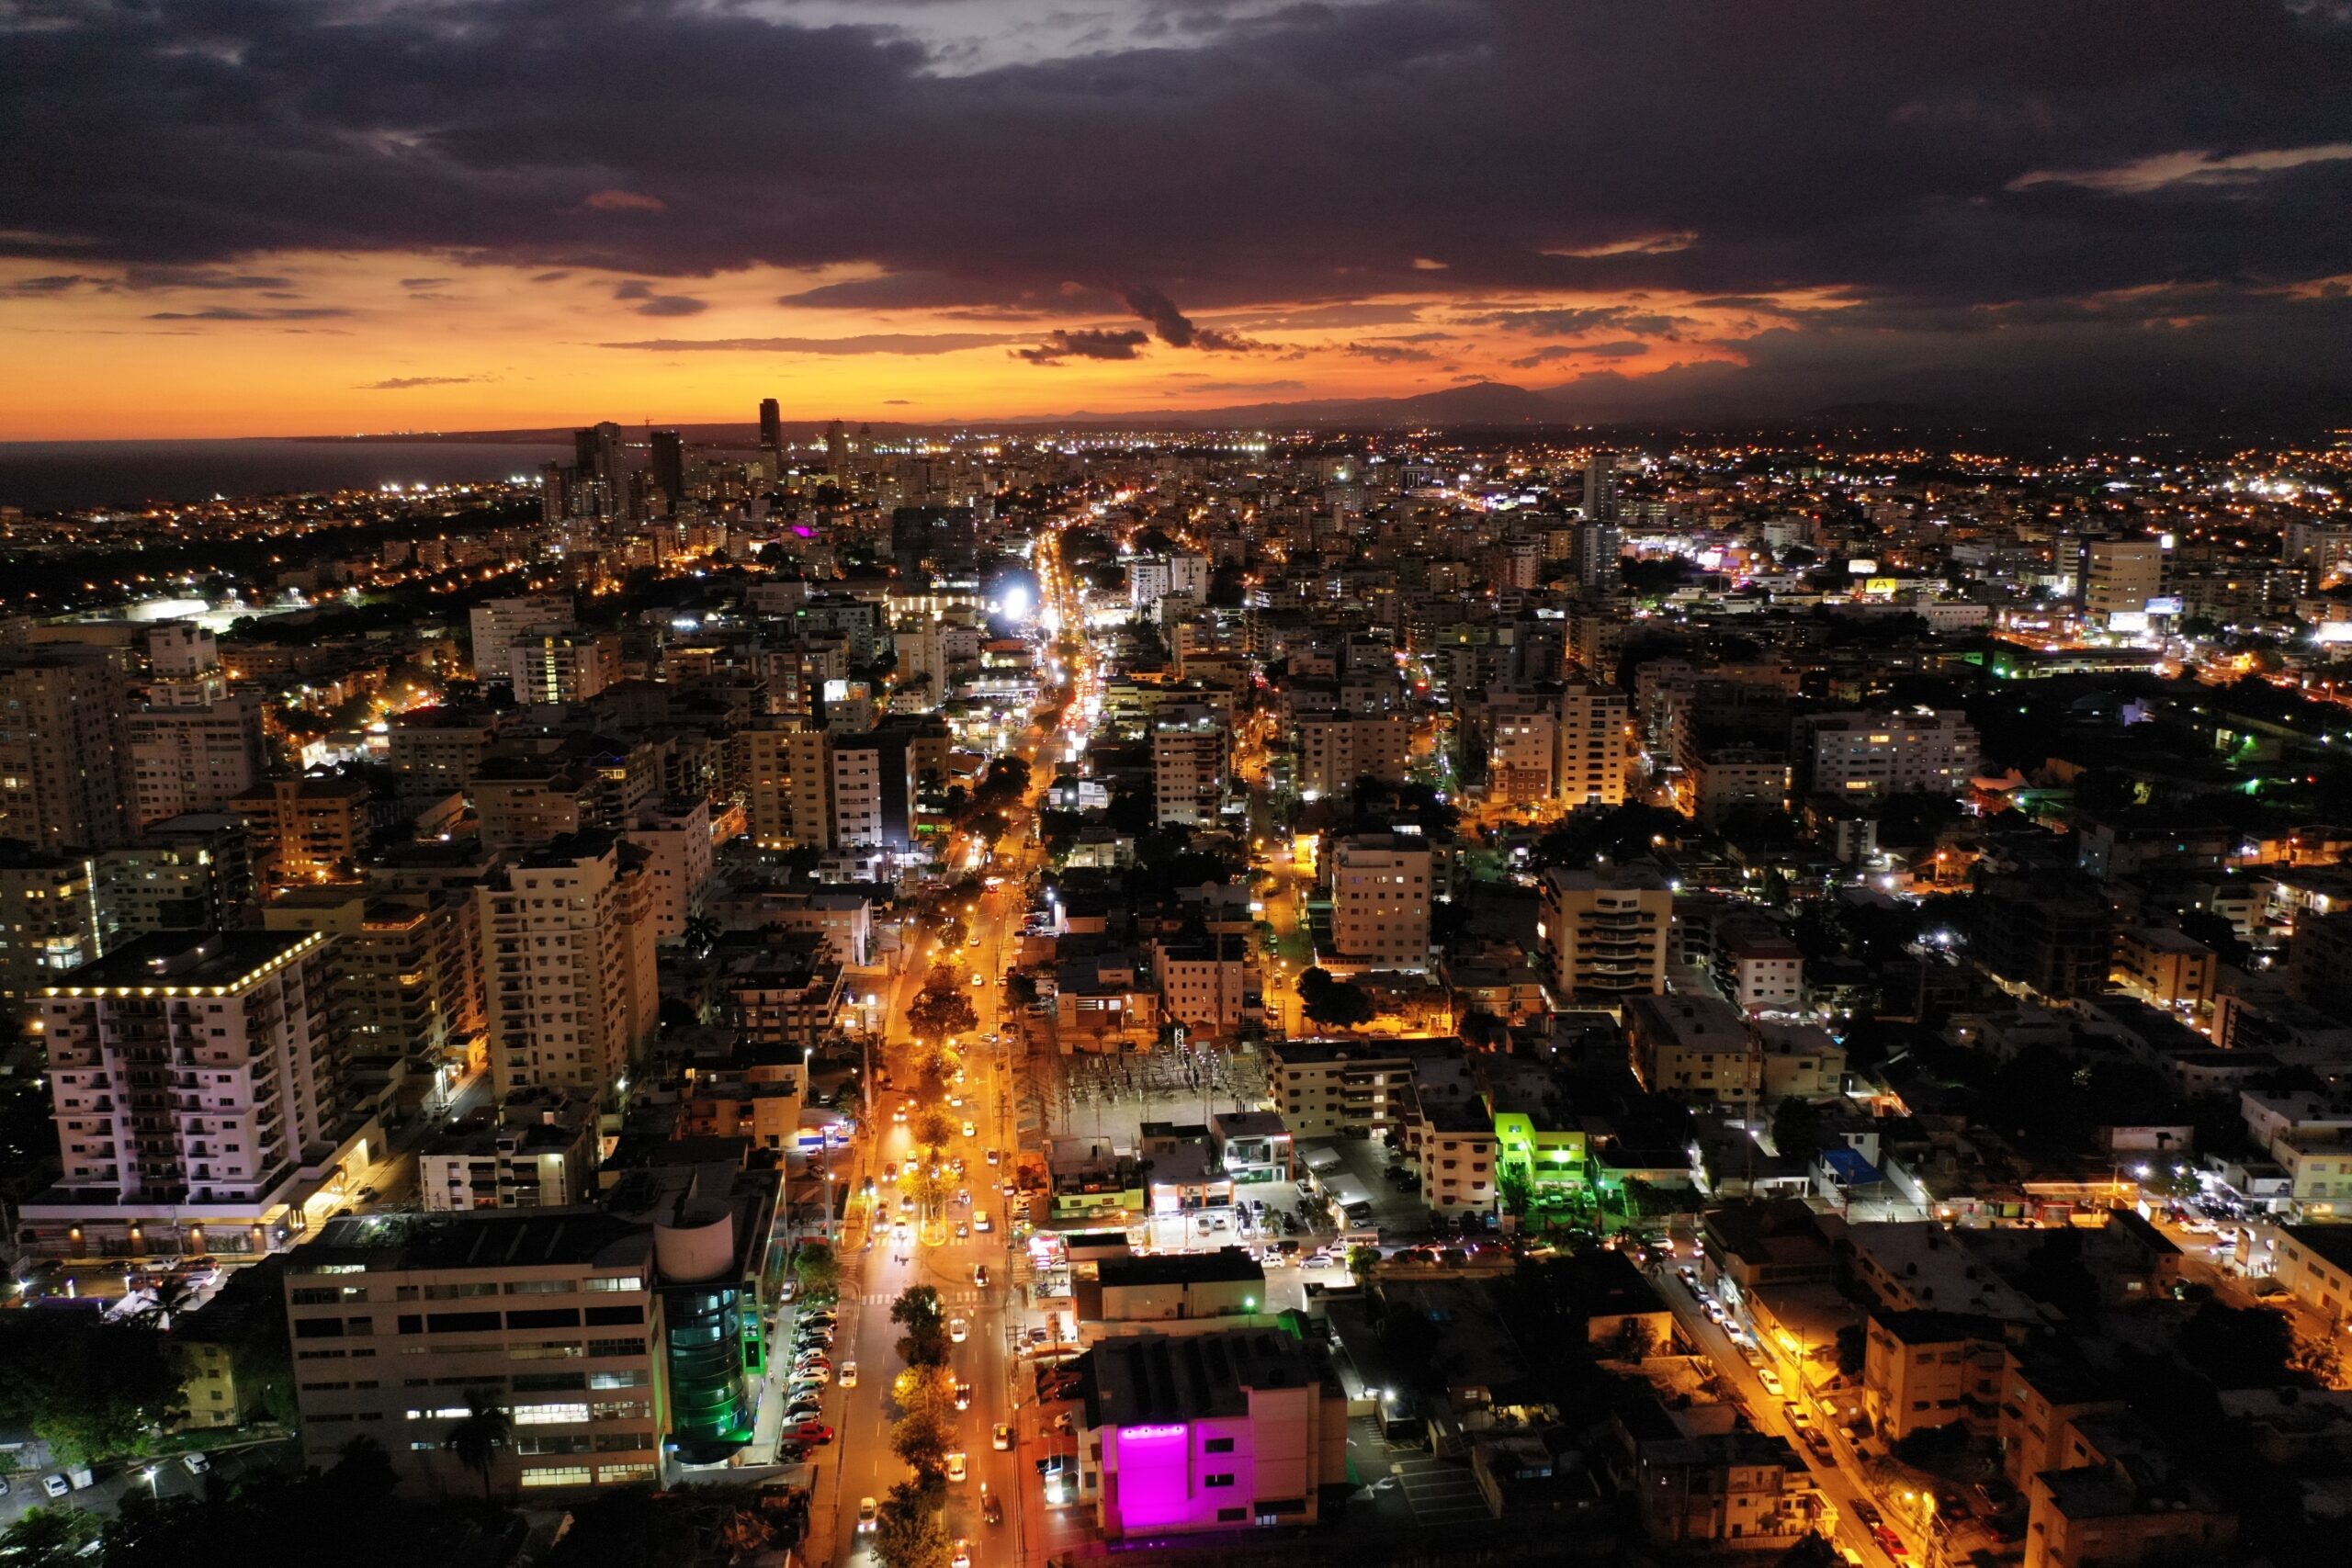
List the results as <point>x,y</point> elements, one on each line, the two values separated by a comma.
<point>891,1171</point>
<point>813,1432</point>
<point>900,1115</point>
<point>961,1557</point>
<point>981,1221</point>
<point>55,1486</point>
<point>958,1467</point>
<point>869,1516</point>
<point>994,1156</point>
<point>957,1330</point>
<point>962,1396</point>
<point>962,1197</point>
<point>1063,1425</point>
<point>992,1507</point>
<point>197,1460</point>
<point>974,943</point>
<point>849,1374</point>
<point>1891,1543</point>
<point>1770,1380</point>
<point>979,980</point>
<point>1000,1437</point>
<point>980,1275</point>
<point>970,1130</point>
<point>804,1408</point>
<point>1867,1512</point>
<point>824,1318</point>
<point>962,1231</point>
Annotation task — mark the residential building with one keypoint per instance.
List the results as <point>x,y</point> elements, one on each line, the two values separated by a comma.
<point>1380,901</point>
<point>388,985</point>
<point>440,748</point>
<point>780,996</point>
<point>789,799</point>
<point>308,829</point>
<point>1721,1486</point>
<point>1208,1431</point>
<point>1757,966</point>
<point>61,780</point>
<point>553,1313</point>
<point>191,758</point>
<point>498,623</point>
<point>2046,1387</point>
<point>1870,755</point>
<point>2116,577</point>
<point>561,666</point>
<point>568,966</point>
<point>49,918</point>
<point>1334,750</point>
<point>1460,1154</point>
<point>1730,780</point>
<point>1695,1048</point>
<point>2319,962</point>
<point>1605,935</point>
<point>1926,1368</point>
<point>1326,1089</point>
<point>1211,986</point>
<point>2051,940</point>
<point>1170,1287</point>
<point>523,801</point>
<point>536,1150</point>
<point>676,839</point>
<point>1188,764</point>
<point>193,1088</point>
<point>2167,966</point>
<point>1594,735</point>
<point>2125,1498</point>
<point>191,873</point>
<point>873,782</point>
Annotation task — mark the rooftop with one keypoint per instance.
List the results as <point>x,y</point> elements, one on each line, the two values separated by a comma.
<point>180,963</point>
<point>539,1238</point>
<point>1151,1378</point>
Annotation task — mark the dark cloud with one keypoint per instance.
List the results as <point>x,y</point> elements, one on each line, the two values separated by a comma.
<point>1569,323</point>
<point>265,313</point>
<point>41,288</point>
<point>1087,343</point>
<point>423,282</point>
<point>143,278</point>
<point>1551,353</point>
<point>1389,352</point>
<point>407,383</point>
<point>862,342</point>
<point>652,304</point>
<point>1977,154</point>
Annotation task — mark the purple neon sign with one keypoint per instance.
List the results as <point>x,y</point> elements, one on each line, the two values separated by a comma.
<point>1156,1478</point>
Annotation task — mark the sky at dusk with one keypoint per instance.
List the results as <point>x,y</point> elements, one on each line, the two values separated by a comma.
<point>275,217</point>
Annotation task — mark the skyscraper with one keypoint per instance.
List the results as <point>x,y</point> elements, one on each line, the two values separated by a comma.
<point>1600,486</point>
<point>568,958</point>
<point>670,465</point>
<point>60,783</point>
<point>771,425</point>
<point>837,450</point>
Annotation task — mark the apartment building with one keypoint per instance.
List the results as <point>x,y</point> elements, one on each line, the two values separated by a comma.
<point>192,873</point>
<point>1694,1047</point>
<point>1189,744</point>
<point>193,1088</point>
<point>563,666</point>
<point>1870,755</point>
<point>536,1150</point>
<point>2116,577</point>
<point>2122,1498</point>
<point>2319,962</point>
<point>873,779</point>
<point>498,623</point>
<point>1926,1368</point>
<point>1331,1089</point>
<point>1460,1156</point>
<point>1380,901</point>
<point>305,830</point>
<point>1740,1488</point>
<point>2167,968</point>
<point>1209,1431</point>
<point>388,985</point>
<point>1522,746</point>
<point>522,801</point>
<point>191,758</point>
<point>49,918</point>
<point>1757,966</point>
<point>568,966</point>
<point>1593,735</point>
<point>61,781</point>
<point>1334,750</point>
<point>676,839</point>
<point>1211,986</point>
<point>398,1324</point>
<point>1729,780</point>
<point>441,748</point>
<point>1605,935</point>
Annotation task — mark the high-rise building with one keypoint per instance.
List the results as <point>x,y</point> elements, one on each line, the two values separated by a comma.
<point>1590,766</point>
<point>1381,890</point>
<point>61,784</point>
<point>771,425</point>
<point>1188,764</point>
<point>306,829</point>
<point>790,795</point>
<point>568,966</point>
<point>49,918</point>
<point>675,837</point>
<point>599,456</point>
<point>2117,577</point>
<point>192,1086</point>
<point>193,873</point>
<point>1863,754</point>
<point>497,624</point>
<point>560,665</point>
<point>191,758</point>
<point>1605,936</point>
<point>837,450</point>
<point>873,779</point>
<point>1334,752</point>
<point>668,463</point>
<point>388,989</point>
<point>1600,487</point>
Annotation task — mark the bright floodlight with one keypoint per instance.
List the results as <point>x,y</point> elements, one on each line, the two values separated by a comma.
<point>1016,603</point>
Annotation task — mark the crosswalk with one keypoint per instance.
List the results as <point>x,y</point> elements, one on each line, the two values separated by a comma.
<point>967,1297</point>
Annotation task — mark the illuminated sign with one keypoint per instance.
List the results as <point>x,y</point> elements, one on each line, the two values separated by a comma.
<point>2164,606</point>
<point>1864,567</point>
<point>1146,1434</point>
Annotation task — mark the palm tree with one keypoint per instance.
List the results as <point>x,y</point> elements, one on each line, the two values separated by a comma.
<point>476,1439</point>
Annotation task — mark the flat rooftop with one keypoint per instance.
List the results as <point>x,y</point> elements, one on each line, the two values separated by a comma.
<point>1152,1378</point>
<point>172,962</point>
<point>538,1238</point>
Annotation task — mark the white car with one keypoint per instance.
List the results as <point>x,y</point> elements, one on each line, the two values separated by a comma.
<point>956,1330</point>
<point>971,1131</point>
<point>849,1374</point>
<point>869,1516</point>
<point>980,1221</point>
<point>958,1468</point>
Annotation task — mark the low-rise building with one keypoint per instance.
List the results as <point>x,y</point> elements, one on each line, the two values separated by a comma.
<point>1931,1369</point>
<point>1228,1282</point>
<point>1694,1047</point>
<point>537,1151</point>
<point>2167,968</point>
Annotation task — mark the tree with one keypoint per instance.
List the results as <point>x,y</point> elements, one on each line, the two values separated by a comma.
<point>92,1389</point>
<point>1339,1004</point>
<point>942,1010</point>
<point>49,1537</point>
<point>1796,1128</point>
<point>2240,1347</point>
<point>1021,990</point>
<point>817,1272</point>
<point>924,1343</point>
<point>933,1130</point>
<point>1361,1261</point>
<point>953,932</point>
<point>1810,1552</point>
<point>477,1436</point>
<point>920,1442</point>
<point>1518,1193</point>
<point>907,1531</point>
<point>1635,1340</point>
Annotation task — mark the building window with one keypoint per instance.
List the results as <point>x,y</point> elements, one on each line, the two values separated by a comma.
<point>1217,1446</point>
<point>1216,1480</point>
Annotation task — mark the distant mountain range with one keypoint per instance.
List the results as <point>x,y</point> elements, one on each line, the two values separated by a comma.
<point>1693,397</point>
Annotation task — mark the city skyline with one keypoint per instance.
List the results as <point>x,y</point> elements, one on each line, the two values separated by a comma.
<point>326,220</point>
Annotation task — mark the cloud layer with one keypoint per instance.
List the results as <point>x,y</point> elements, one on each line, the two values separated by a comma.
<point>1828,199</point>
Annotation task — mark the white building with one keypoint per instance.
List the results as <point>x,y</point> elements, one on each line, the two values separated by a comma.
<point>1590,769</point>
<point>1872,754</point>
<point>191,758</point>
<point>1335,751</point>
<point>675,837</point>
<point>567,937</point>
<point>497,624</point>
<point>1188,764</point>
<point>191,1085</point>
<point>1380,901</point>
<point>556,665</point>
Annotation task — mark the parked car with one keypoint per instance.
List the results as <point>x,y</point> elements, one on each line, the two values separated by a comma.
<point>55,1486</point>
<point>813,1432</point>
<point>1000,1437</point>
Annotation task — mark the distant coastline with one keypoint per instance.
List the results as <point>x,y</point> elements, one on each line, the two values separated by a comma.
<point>65,476</point>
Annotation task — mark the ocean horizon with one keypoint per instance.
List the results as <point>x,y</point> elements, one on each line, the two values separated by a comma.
<point>57,476</point>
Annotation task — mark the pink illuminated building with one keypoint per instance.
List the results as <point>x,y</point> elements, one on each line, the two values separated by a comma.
<point>1210,1431</point>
